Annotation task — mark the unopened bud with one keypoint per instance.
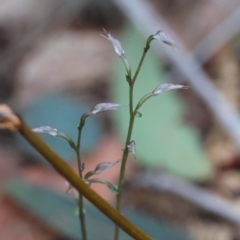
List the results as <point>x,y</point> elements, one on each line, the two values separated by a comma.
<point>132,147</point>
<point>116,44</point>
<point>165,38</point>
<point>46,129</point>
<point>101,107</point>
<point>166,87</point>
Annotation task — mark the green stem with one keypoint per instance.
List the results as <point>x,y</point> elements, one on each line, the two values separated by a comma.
<point>78,147</point>
<point>80,197</point>
<point>145,50</point>
<point>125,155</point>
<point>122,171</point>
<point>142,101</point>
<point>132,113</point>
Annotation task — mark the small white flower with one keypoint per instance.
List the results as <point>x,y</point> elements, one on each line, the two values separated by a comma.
<point>46,129</point>
<point>116,44</point>
<point>101,107</point>
<point>132,147</point>
<point>166,87</point>
<point>165,38</point>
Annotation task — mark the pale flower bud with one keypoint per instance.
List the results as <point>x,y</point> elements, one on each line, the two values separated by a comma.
<point>46,129</point>
<point>165,38</point>
<point>54,132</point>
<point>116,44</point>
<point>100,167</point>
<point>101,107</point>
<point>166,87</point>
<point>132,147</point>
<point>104,165</point>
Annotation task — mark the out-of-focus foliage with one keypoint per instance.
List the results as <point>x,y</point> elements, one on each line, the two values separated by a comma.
<point>61,113</point>
<point>57,211</point>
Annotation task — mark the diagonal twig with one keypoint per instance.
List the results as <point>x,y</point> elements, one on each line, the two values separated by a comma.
<point>197,195</point>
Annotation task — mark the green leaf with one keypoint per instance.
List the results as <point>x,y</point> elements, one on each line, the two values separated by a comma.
<point>56,211</point>
<point>162,138</point>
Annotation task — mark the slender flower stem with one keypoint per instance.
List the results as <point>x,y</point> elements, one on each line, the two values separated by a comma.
<point>141,61</point>
<point>78,147</point>
<point>132,114</point>
<point>142,101</point>
<point>122,171</point>
<point>80,197</point>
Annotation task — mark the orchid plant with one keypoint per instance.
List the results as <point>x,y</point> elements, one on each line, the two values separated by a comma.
<point>130,145</point>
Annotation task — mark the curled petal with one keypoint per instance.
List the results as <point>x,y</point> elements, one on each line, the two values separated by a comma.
<point>8,120</point>
<point>101,107</point>
<point>116,44</point>
<point>166,87</point>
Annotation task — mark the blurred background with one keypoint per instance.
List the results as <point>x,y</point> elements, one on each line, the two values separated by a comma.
<point>55,66</point>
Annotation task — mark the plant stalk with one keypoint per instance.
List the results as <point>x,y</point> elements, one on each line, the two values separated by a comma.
<point>81,213</point>
<point>132,113</point>
<point>122,172</point>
